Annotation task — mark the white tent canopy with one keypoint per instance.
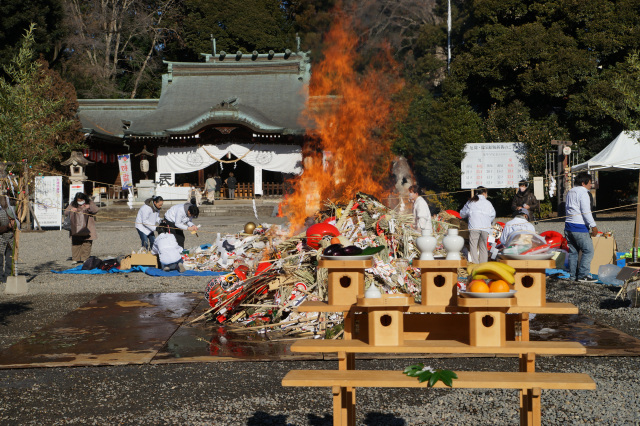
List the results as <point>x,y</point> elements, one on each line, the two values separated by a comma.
<point>623,153</point>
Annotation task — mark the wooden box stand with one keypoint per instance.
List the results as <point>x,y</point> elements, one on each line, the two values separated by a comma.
<point>385,318</point>
<point>487,327</point>
<point>531,281</point>
<point>439,281</point>
<point>487,319</point>
<point>346,279</point>
<point>386,327</point>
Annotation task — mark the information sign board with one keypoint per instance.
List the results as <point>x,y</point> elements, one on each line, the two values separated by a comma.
<point>48,200</point>
<point>494,165</point>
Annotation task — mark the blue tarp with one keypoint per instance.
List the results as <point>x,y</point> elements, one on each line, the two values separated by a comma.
<point>154,272</point>
<point>78,270</point>
<point>561,273</point>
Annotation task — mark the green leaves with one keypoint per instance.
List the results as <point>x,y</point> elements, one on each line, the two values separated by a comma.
<point>430,375</point>
<point>434,133</point>
<point>31,118</point>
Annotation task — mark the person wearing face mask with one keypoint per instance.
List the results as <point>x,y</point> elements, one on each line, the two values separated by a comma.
<point>82,211</point>
<point>524,199</point>
<point>147,219</point>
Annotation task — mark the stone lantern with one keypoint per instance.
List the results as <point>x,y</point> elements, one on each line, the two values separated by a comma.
<point>77,163</point>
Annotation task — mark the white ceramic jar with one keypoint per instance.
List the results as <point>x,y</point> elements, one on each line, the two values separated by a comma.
<point>453,244</point>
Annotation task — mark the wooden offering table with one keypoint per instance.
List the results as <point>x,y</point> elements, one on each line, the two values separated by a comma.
<point>396,324</point>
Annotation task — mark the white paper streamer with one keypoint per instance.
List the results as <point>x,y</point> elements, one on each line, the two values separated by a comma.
<point>255,210</point>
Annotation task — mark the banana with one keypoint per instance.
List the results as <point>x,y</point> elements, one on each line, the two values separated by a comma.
<point>491,268</point>
<point>486,276</point>
<point>509,269</point>
<point>472,267</point>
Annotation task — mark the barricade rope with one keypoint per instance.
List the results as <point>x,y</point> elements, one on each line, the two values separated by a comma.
<point>133,222</point>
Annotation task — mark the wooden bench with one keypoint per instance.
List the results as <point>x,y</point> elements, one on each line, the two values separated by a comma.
<point>393,325</point>
<point>439,347</point>
<point>343,383</point>
<point>550,308</point>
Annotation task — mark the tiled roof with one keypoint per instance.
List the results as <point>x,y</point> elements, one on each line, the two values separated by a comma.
<point>266,94</point>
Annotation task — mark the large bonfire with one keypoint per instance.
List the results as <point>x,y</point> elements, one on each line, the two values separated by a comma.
<point>346,178</point>
<point>349,149</point>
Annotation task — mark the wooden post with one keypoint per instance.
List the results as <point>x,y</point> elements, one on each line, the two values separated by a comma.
<point>562,164</point>
<point>35,218</point>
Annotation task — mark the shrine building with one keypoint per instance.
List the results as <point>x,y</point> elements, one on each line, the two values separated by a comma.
<point>240,113</point>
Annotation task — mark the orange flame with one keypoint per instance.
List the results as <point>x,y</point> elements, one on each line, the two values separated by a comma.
<point>349,149</point>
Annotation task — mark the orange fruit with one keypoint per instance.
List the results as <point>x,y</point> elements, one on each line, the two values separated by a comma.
<point>499,286</point>
<point>335,240</point>
<point>478,286</point>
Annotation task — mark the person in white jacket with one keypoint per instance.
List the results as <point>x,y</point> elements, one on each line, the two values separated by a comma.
<point>480,213</point>
<point>147,219</point>
<point>168,250</point>
<point>178,219</point>
<point>518,225</point>
<point>421,213</point>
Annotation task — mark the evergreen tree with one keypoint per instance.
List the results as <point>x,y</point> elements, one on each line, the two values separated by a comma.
<point>244,26</point>
<point>547,55</point>
<point>15,17</point>
<point>31,113</point>
<point>433,136</point>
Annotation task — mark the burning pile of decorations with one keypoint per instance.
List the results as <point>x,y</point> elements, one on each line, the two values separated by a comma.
<point>270,273</point>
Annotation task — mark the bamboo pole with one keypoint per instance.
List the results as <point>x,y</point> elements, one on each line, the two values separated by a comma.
<point>16,245</point>
<point>634,255</point>
<point>26,194</point>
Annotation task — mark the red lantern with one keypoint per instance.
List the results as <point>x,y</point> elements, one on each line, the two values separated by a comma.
<point>319,230</point>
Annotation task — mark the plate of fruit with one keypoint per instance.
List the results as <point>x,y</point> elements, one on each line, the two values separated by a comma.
<point>490,280</point>
<point>489,295</point>
<point>351,252</point>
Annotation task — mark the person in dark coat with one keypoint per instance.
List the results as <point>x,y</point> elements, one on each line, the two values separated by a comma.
<point>82,210</point>
<point>524,199</point>
<point>7,238</point>
<point>231,185</point>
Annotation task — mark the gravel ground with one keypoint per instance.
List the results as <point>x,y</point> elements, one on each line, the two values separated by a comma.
<point>250,393</point>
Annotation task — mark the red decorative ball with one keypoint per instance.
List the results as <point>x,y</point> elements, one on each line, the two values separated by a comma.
<point>319,230</point>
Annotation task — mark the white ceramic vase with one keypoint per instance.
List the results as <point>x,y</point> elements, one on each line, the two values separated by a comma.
<point>453,243</point>
<point>372,292</point>
<point>426,244</point>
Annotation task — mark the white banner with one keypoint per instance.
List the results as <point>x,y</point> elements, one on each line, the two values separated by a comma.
<point>494,165</point>
<point>275,158</point>
<point>124,162</point>
<point>257,181</point>
<point>48,200</point>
